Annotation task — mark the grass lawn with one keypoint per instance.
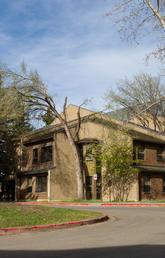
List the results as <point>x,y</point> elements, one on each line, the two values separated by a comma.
<point>12,215</point>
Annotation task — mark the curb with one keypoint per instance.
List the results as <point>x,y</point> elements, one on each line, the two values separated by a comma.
<point>3,231</point>
<point>53,203</point>
<point>134,204</point>
<point>97,204</point>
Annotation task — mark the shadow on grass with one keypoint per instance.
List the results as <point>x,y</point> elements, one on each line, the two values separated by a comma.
<point>148,251</point>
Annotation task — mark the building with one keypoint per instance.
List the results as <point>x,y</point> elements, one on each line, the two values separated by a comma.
<point>46,162</point>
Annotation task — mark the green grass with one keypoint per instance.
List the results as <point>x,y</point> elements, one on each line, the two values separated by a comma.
<point>12,215</point>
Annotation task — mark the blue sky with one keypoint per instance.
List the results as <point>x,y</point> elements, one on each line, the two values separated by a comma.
<point>74,46</point>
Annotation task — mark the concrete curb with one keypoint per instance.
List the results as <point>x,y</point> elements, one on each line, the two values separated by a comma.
<point>96,204</point>
<point>134,204</point>
<point>53,203</point>
<point>4,231</point>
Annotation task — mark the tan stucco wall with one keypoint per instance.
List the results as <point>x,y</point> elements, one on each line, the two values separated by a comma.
<point>90,130</point>
<point>63,185</point>
<point>71,113</point>
<point>63,180</point>
<point>133,194</point>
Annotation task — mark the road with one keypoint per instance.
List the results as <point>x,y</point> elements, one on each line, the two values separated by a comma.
<point>130,232</point>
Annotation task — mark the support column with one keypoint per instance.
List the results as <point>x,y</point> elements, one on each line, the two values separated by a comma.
<point>49,185</point>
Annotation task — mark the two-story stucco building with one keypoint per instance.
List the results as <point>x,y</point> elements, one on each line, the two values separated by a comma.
<point>46,162</point>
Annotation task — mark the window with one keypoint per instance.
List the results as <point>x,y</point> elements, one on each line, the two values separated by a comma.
<point>46,154</point>
<point>134,153</point>
<point>141,149</point>
<point>29,184</point>
<point>163,184</point>
<point>35,156</point>
<point>146,184</point>
<point>41,184</point>
<point>90,151</point>
<point>160,155</point>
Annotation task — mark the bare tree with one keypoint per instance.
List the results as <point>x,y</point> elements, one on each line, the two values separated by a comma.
<point>132,15</point>
<point>33,93</point>
<point>142,98</point>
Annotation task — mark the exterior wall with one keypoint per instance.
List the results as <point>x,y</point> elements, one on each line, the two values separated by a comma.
<point>156,186</point>
<point>62,185</point>
<point>148,123</point>
<point>132,196</point>
<point>155,171</point>
<point>29,169</point>
<point>63,179</point>
<point>71,113</point>
<point>27,155</point>
<point>150,154</point>
<point>90,130</point>
<point>134,191</point>
<point>22,186</point>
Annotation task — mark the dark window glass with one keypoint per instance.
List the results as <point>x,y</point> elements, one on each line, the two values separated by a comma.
<point>89,187</point>
<point>46,154</point>
<point>35,156</point>
<point>146,184</point>
<point>163,183</point>
<point>41,184</point>
<point>88,180</point>
<point>141,152</point>
<point>29,184</point>
<point>160,155</point>
<point>134,153</point>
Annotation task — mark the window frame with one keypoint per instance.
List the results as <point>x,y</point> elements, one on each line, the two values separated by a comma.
<point>146,184</point>
<point>159,156</point>
<point>163,184</point>
<point>141,153</point>
<point>46,156</point>
<point>35,156</point>
<point>41,188</point>
<point>29,184</point>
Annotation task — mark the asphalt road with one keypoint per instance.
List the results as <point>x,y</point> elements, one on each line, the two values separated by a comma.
<point>131,232</point>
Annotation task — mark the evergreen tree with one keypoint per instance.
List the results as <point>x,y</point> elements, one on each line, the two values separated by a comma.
<point>48,118</point>
<point>14,121</point>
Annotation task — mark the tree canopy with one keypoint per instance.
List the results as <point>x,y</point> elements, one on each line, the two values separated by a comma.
<point>14,120</point>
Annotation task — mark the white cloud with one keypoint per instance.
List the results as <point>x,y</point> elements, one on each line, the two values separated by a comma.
<point>89,74</point>
<point>78,53</point>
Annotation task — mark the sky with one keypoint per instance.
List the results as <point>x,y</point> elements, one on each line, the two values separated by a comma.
<point>73,45</point>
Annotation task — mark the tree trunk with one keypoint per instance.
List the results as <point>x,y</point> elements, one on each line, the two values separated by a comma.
<point>48,100</point>
<point>156,12</point>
